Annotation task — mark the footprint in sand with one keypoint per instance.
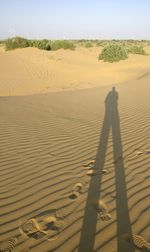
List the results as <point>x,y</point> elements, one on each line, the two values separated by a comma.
<point>101,208</point>
<point>64,214</point>
<point>105,171</point>
<point>47,228</point>
<point>32,229</point>
<point>139,153</point>
<point>52,226</point>
<point>91,169</point>
<point>77,190</point>
<point>8,245</point>
<point>92,172</point>
<point>90,164</point>
<point>138,241</point>
<point>147,151</point>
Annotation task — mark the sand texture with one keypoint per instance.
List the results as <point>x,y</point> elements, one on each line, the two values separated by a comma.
<point>30,70</point>
<point>74,165</point>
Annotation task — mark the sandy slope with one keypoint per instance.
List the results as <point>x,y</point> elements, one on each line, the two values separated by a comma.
<point>29,71</point>
<point>46,143</point>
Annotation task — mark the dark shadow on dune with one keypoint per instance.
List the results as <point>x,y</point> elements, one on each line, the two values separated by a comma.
<point>88,232</point>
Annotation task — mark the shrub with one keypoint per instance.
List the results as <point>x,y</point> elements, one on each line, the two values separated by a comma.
<point>16,42</point>
<point>41,44</point>
<point>64,44</point>
<point>113,53</point>
<point>88,44</point>
<point>136,50</point>
<point>102,43</point>
<point>99,43</point>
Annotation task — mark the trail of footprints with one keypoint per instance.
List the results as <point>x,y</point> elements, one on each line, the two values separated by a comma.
<point>32,229</point>
<point>50,226</point>
<point>99,206</point>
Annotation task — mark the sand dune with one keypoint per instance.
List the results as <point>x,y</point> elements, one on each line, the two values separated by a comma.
<point>49,143</point>
<point>29,71</point>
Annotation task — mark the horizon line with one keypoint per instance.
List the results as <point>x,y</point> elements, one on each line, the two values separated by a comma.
<point>77,39</point>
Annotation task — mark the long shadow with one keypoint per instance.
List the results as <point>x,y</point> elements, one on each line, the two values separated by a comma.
<point>88,232</point>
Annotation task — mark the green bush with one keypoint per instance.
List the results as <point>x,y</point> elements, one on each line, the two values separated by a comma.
<point>99,43</point>
<point>64,44</point>
<point>16,42</point>
<point>88,44</point>
<point>44,44</point>
<point>102,43</point>
<point>136,50</point>
<point>113,53</point>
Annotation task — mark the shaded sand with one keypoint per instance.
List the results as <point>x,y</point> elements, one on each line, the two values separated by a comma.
<point>30,70</point>
<point>48,142</point>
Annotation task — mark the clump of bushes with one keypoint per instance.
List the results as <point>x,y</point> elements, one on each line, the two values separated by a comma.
<point>62,44</point>
<point>113,53</point>
<point>135,49</point>
<point>16,42</point>
<point>102,43</point>
<point>88,45</point>
<point>44,44</point>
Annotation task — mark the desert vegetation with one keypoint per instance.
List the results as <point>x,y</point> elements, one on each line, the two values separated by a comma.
<point>45,44</point>
<point>17,42</point>
<point>137,49</point>
<point>112,50</point>
<point>115,51</point>
<point>62,44</point>
<point>88,44</point>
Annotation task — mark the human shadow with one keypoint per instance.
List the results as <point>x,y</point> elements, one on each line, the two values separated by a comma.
<point>88,232</point>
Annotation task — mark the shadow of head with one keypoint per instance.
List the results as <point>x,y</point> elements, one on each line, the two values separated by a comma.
<point>111,99</point>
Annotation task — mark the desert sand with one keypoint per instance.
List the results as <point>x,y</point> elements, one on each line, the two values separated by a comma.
<point>33,71</point>
<point>74,152</point>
